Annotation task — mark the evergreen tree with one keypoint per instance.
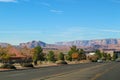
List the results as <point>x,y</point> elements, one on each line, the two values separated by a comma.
<point>61,56</point>
<point>51,56</point>
<point>114,56</point>
<point>104,56</point>
<point>108,57</point>
<point>81,51</point>
<point>38,54</point>
<point>73,53</point>
<point>82,55</point>
<point>98,54</point>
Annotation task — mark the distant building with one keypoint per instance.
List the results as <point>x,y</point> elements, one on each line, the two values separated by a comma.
<point>91,53</point>
<point>118,53</point>
<point>109,51</point>
<point>16,59</point>
<point>112,51</point>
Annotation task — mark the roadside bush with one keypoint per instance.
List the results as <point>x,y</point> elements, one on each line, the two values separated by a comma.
<point>27,65</point>
<point>8,66</point>
<point>61,62</point>
<point>93,58</point>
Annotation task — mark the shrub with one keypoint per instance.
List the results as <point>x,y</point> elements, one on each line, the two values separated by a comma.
<point>27,65</point>
<point>75,56</point>
<point>61,62</point>
<point>8,66</point>
<point>50,56</point>
<point>93,58</point>
<point>61,56</point>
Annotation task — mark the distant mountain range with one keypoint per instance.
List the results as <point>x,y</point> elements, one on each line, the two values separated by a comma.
<point>33,44</point>
<point>4,44</point>
<point>87,45</point>
<point>80,43</point>
<point>91,42</point>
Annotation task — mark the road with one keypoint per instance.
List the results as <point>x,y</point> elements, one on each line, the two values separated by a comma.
<point>113,73</point>
<point>89,71</point>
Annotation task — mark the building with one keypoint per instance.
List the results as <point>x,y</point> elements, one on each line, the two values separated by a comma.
<point>112,52</point>
<point>118,53</point>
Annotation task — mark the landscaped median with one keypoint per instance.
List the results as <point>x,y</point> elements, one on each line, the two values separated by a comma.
<point>7,67</point>
<point>24,66</point>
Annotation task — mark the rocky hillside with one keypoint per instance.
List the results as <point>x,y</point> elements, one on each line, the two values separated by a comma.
<point>81,43</point>
<point>4,44</point>
<point>33,44</point>
<point>100,43</point>
<point>91,42</point>
<point>22,48</point>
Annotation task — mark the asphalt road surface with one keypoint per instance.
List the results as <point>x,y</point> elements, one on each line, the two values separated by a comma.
<point>113,73</point>
<point>89,71</point>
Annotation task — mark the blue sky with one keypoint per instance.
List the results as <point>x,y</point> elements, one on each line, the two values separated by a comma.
<point>58,20</point>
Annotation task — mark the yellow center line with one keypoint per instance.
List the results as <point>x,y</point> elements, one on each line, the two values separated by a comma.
<point>102,73</point>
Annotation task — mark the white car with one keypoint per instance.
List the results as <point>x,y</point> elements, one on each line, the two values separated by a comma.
<point>117,60</point>
<point>99,61</point>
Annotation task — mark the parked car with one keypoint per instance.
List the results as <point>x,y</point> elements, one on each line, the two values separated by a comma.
<point>117,60</point>
<point>100,61</point>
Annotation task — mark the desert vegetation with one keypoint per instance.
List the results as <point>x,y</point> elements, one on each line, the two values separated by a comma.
<point>28,57</point>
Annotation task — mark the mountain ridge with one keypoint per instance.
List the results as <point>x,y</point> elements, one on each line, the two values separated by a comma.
<point>79,43</point>
<point>90,42</point>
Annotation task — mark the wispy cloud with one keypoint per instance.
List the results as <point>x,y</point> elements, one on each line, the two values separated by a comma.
<point>20,32</point>
<point>45,4</point>
<point>70,32</point>
<point>13,1</point>
<point>8,0</point>
<point>56,11</point>
<point>113,31</point>
<point>50,8</point>
<point>81,33</point>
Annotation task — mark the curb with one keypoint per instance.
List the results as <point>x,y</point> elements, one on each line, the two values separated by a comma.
<point>27,68</point>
